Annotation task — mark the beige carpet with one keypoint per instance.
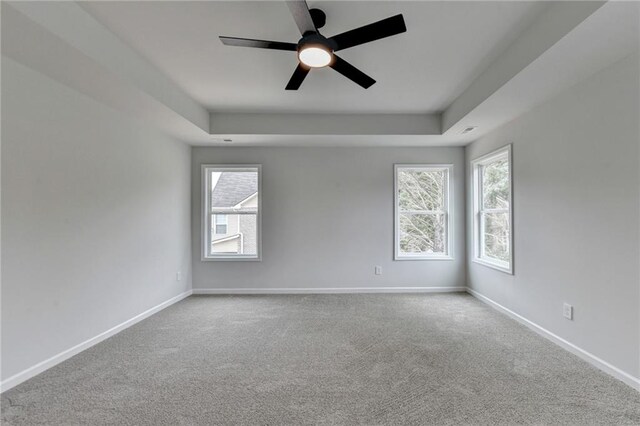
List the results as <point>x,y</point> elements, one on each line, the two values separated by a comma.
<point>324,359</point>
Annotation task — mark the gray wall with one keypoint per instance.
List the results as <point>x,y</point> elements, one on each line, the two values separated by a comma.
<point>328,220</point>
<point>576,206</point>
<point>95,218</point>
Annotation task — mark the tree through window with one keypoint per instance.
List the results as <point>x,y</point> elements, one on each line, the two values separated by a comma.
<point>492,210</point>
<point>422,211</point>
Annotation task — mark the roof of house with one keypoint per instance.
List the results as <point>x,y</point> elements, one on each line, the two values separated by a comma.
<point>233,187</point>
<point>227,238</point>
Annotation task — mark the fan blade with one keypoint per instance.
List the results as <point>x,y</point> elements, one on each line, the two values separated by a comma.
<point>297,78</point>
<point>376,31</point>
<point>302,16</point>
<point>263,44</point>
<point>351,72</point>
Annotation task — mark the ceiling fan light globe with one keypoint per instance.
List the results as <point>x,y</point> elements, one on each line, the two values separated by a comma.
<point>315,57</point>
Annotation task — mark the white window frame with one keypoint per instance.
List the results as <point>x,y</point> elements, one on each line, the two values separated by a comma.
<point>478,235</point>
<point>206,229</point>
<point>448,212</point>
<point>216,223</point>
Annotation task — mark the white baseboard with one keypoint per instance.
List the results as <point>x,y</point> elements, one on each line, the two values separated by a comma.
<point>30,372</point>
<point>601,364</point>
<point>323,290</point>
<point>62,356</point>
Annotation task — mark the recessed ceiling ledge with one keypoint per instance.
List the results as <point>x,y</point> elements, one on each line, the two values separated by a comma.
<point>88,40</point>
<point>325,124</point>
<point>554,23</point>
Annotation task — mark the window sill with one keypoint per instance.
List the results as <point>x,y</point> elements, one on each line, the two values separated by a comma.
<point>488,264</point>
<point>231,259</point>
<point>402,258</point>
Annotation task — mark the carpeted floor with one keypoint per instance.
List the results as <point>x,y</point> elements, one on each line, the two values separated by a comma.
<point>324,359</point>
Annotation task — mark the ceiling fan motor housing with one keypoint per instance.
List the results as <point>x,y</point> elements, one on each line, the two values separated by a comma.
<point>318,17</point>
<point>311,39</point>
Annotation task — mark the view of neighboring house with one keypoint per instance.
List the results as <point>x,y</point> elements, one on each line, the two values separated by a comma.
<point>234,202</point>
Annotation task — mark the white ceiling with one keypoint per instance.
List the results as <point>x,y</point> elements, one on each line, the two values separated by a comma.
<point>447,45</point>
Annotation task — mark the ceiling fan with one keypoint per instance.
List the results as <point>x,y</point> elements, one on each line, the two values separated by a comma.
<point>317,51</point>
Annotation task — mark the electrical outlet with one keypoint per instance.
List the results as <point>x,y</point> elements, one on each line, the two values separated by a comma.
<point>378,270</point>
<point>567,311</point>
<point>178,276</point>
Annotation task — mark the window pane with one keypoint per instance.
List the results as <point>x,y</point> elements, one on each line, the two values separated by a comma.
<point>240,236</point>
<point>421,190</point>
<point>422,233</point>
<point>495,185</point>
<point>496,236</point>
<point>234,190</point>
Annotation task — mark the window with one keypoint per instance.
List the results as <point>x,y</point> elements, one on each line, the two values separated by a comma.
<point>220,224</point>
<point>231,209</point>
<point>493,215</point>
<point>422,212</point>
